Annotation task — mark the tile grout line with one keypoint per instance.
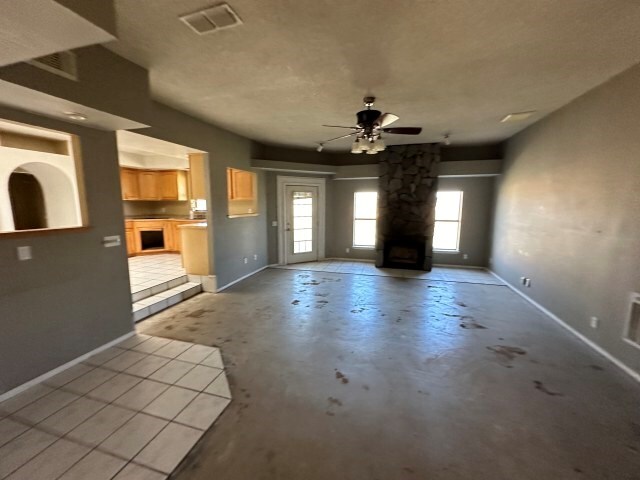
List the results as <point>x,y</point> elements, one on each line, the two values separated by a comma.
<point>106,404</point>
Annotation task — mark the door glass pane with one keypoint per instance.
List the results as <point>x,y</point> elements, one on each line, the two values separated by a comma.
<point>302,222</point>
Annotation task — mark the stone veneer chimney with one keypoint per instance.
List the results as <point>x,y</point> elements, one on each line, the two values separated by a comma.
<point>406,206</point>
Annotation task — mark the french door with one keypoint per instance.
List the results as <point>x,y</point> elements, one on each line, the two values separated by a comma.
<point>301,223</point>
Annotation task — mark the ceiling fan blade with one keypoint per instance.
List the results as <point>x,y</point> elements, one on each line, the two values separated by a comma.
<point>338,138</point>
<point>403,130</point>
<point>339,126</point>
<point>386,119</point>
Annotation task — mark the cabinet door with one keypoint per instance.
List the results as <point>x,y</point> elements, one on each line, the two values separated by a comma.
<point>197,175</point>
<point>131,242</point>
<point>168,185</point>
<point>148,182</point>
<point>243,185</point>
<point>129,183</point>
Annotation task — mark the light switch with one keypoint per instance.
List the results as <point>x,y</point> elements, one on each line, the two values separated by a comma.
<point>111,241</point>
<point>274,223</point>
<point>24,253</point>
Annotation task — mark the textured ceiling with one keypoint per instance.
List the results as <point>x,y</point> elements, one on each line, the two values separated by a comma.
<point>452,66</point>
<point>33,28</point>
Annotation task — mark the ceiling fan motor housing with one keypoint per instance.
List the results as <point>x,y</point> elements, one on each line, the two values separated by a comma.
<point>367,117</point>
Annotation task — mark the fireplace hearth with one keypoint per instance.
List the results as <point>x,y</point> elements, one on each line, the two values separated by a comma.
<point>406,206</point>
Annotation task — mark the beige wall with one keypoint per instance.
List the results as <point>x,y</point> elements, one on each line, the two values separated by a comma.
<point>567,212</point>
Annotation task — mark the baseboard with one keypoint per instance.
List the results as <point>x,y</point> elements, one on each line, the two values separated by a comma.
<point>629,371</point>
<point>447,265</point>
<point>365,260</point>
<point>224,287</point>
<point>55,371</point>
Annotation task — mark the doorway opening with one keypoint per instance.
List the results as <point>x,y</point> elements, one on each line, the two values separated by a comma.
<point>166,203</point>
<point>301,219</point>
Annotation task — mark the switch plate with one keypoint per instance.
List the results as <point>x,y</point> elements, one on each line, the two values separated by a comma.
<point>274,223</point>
<point>347,250</point>
<point>246,260</point>
<point>255,256</point>
<point>24,253</point>
<point>111,241</point>
<point>465,256</point>
<point>593,322</point>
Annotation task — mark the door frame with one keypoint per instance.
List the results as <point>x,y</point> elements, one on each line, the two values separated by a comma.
<point>282,183</point>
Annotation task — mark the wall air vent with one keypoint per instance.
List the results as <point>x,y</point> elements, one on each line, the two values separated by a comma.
<point>212,19</point>
<point>61,63</point>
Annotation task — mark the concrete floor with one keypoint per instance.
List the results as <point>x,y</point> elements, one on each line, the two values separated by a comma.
<point>341,376</point>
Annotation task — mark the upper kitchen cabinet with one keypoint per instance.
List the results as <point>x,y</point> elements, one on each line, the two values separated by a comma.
<point>197,176</point>
<point>241,184</point>
<point>242,193</point>
<point>139,184</point>
<point>129,181</point>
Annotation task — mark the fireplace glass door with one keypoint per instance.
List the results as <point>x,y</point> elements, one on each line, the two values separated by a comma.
<point>301,231</point>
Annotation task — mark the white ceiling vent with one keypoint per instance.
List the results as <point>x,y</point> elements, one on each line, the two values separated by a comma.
<point>61,63</point>
<point>212,19</point>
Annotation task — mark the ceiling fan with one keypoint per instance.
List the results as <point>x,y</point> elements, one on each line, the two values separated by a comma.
<point>370,126</point>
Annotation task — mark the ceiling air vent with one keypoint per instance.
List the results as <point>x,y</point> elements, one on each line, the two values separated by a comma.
<point>212,19</point>
<point>61,63</point>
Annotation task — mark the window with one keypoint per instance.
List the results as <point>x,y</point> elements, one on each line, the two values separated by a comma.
<point>365,208</point>
<point>446,235</point>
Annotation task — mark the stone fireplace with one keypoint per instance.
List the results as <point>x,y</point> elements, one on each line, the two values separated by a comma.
<point>406,206</point>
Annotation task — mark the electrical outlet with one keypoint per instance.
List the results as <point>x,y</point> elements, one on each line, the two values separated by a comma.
<point>594,322</point>
<point>255,256</point>
<point>24,253</point>
<point>347,250</point>
<point>246,260</point>
<point>523,280</point>
<point>274,223</point>
<point>527,282</point>
<point>465,256</point>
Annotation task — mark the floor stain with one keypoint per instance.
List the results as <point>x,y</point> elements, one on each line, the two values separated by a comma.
<point>540,386</point>
<point>365,387</point>
<point>506,352</point>
<point>270,456</point>
<point>341,376</point>
<point>198,313</point>
<point>462,304</point>
<point>470,324</point>
<point>334,401</point>
<point>408,470</point>
<point>596,367</point>
<point>169,327</point>
<point>312,282</point>
<point>331,414</point>
<point>295,302</point>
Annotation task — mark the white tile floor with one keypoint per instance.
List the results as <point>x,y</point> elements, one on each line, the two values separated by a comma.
<point>445,274</point>
<point>131,412</point>
<point>149,271</point>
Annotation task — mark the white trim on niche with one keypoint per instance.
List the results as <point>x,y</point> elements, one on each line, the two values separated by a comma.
<point>283,182</point>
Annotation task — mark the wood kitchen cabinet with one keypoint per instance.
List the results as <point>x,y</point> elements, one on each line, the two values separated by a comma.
<point>240,184</point>
<point>130,238</point>
<point>169,229</point>
<point>139,184</point>
<point>197,176</point>
<point>148,185</point>
<point>129,182</point>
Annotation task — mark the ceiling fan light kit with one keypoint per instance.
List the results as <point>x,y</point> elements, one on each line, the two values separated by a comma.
<point>369,128</point>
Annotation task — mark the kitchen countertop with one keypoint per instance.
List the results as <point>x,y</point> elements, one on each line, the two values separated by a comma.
<point>162,217</point>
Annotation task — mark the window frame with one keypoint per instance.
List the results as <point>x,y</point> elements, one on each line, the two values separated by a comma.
<point>354,219</point>
<point>458,222</point>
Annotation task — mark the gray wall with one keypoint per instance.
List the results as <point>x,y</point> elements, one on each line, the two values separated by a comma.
<point>476,220</point>
<point>340,231</point>
<point>475,232</point>
<point>567,212</point>
<point>73,296</point>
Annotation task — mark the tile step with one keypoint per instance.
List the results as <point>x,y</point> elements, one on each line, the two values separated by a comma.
<point>165,299</point>
<point>161,287</point>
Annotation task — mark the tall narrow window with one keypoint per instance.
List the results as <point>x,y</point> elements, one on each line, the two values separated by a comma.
<point>446,235</point>
<point>365,208</point>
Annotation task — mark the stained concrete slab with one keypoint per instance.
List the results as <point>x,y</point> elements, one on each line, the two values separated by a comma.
<point>362,377</point>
